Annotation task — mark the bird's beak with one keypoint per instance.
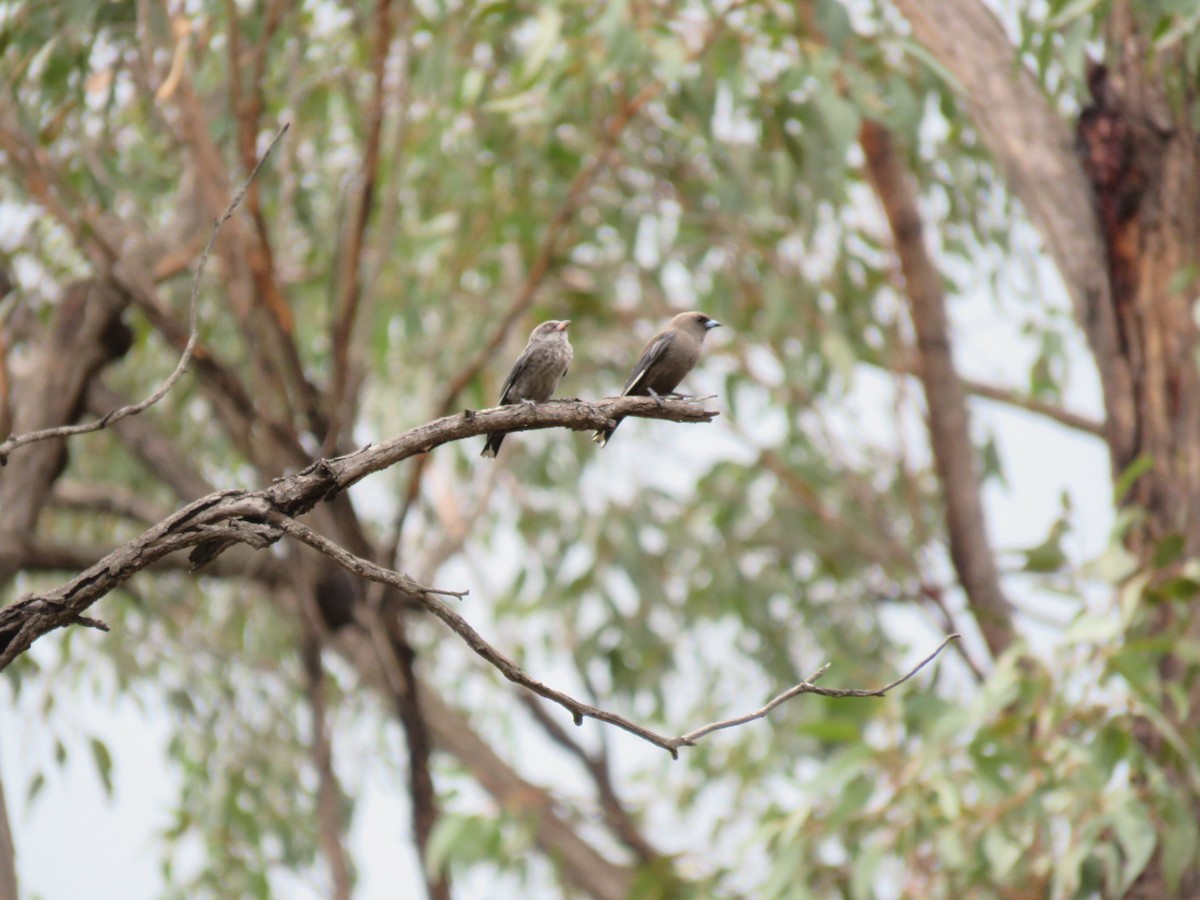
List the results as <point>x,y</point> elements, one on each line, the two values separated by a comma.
<point>712,323</point>
<point>562,326</point>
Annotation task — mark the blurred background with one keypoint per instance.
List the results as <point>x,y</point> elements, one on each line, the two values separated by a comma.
<point>954,247</point>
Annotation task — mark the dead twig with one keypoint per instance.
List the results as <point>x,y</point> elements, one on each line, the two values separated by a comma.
<point>809,687</point>
<point>579,710</point>
<point>221,519</point>
<point>116,415</point>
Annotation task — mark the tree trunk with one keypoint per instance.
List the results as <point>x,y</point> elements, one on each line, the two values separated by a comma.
<point>1140,155</point>
<point>1138,152</point>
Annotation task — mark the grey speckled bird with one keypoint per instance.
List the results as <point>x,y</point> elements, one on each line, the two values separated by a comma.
<point>664,362</point>
<point>536,373</point>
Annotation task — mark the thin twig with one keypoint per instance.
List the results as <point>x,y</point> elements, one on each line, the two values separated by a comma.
<point>117,414</point>
<point>362,205</point>
<point>218,520</point>
<point>936,596</point>
<point>808,687</point>
<point>533,278</point>
<point>583,179</point>
<point>258,519</point>
<point>510,670</point>
<point>1013,397</point>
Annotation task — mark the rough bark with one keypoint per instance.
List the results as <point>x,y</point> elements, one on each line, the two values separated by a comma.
<point>1118,210</point>
<point>1035,150</point>
<point>213,523</point>
<point>1142,157</point>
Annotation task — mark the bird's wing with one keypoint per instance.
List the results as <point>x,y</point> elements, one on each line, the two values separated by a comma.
<point>653,353</point>
<point>518,370</point>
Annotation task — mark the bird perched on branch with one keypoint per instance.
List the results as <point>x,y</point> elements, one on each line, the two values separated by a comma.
<point>536,373</point>
<point>665,360</point>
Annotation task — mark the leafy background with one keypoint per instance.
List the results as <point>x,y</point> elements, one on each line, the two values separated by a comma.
<point>685,573</point>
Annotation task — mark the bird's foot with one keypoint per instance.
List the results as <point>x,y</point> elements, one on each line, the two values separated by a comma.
<point>675,395</point>
<point>657,399</point>
<point>527,402</point>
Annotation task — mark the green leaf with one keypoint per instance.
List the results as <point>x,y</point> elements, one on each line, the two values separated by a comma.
<point>832,729</point>
<point>1093,628</point>
<point>104,763</point>
<point>519,102</point>
<point>992,466</point>
<point>1167,551</point>
<point>851,801</point>
<point>865,871</point>
<point>1048,556</point>
<point>462,839</point>
<point>834,23</point>
<point>1180,845</point>
<point>1070,11</point>
<point>36,786</point>
<point>1129,477</point>
<point>1136,834</point>
<point>1002,852</point>
<point>549,31</point>
<point>932,63</point>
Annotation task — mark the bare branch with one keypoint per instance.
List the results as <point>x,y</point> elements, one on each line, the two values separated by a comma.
<point>117,414</point>
<point>1013,397</point>
<point>257,520</point>
<point>221,519</point>
<point>808,687</point>
<point>46,556</point>
<point>1023,401</point>
<point>948,417</point>
<point>361,207</point>
<point>934,593</point>
<point>510,670</point>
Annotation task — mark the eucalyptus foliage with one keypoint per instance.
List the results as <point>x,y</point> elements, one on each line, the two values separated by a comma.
<point>685,573</point>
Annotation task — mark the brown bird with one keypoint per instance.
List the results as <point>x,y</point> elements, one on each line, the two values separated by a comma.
<point>536,373</point>
<point>664,362</point>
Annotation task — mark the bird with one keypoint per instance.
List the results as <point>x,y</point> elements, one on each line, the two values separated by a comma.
<point>536,373</point>
<point>665,360</point>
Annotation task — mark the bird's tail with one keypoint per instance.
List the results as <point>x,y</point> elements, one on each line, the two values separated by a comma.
<point>492,446</point>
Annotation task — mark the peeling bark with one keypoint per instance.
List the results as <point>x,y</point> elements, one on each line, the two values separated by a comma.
<point>1143,162</point>
<point>1118,209</point>
<point>1034,149</point>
